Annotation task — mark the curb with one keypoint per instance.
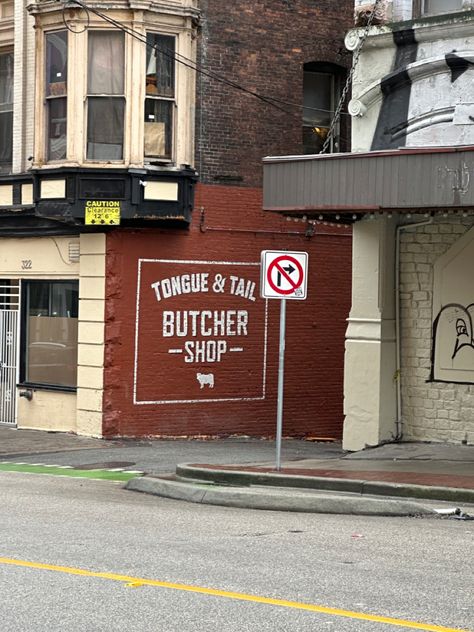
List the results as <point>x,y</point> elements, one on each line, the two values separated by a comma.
<point>277,499</point>
<point>363,487</point>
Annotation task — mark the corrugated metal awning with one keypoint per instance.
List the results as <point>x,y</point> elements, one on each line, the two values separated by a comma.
<point>350,185</point>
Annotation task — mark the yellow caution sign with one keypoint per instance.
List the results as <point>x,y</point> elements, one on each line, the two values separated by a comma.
<point>102,212</point>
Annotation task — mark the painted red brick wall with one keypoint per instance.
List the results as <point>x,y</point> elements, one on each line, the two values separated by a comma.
<point>233,229</point>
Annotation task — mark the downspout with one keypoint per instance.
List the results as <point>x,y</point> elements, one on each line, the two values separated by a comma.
<point>398,342</point>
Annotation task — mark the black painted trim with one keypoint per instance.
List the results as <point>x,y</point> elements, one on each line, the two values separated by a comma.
<point>47,387</point>
<point>457,65</point>
<point>396,91</point>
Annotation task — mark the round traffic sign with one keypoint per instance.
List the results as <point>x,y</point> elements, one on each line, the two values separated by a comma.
<point>280,274</point>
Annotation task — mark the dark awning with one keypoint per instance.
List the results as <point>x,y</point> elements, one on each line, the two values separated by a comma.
<point>350,185</point>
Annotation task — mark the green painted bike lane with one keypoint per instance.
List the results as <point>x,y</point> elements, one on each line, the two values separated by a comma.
<point>53,470</point>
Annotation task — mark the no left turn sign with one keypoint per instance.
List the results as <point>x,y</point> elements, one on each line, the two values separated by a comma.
<point>284,274</point>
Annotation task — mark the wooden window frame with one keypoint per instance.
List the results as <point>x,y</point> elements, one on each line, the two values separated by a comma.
<point>161,98</point>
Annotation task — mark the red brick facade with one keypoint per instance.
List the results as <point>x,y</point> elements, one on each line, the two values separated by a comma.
<point>262,45</point>
<point>228,226</point>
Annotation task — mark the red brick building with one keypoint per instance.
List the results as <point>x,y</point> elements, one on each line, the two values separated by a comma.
<point>163,311</point>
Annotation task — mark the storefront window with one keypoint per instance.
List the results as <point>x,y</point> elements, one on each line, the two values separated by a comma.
<point>50,332</point>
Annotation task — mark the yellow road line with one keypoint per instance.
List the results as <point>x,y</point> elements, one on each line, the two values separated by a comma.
<point>138,581</point>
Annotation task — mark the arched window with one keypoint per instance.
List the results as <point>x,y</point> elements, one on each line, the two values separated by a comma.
<point>322,87</point>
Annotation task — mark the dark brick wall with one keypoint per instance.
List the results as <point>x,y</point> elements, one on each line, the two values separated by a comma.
<point>262,45</point>
<point>234,230</point>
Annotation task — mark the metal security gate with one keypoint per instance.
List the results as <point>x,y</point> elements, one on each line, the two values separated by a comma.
<point>9,310</point>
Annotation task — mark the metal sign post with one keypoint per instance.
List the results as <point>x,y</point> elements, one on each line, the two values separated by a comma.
<point>283,276</point>
<point>281,382</point>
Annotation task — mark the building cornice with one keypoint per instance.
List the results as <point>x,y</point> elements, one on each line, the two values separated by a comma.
<point>181,8</point>
<point>448,26</point>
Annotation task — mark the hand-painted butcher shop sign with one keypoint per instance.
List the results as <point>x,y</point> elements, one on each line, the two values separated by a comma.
<point>200,333</point>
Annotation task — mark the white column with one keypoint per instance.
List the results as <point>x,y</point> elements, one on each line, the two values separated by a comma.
<point>23,87</point>
<point>90,369</point>
<point>370,360</point>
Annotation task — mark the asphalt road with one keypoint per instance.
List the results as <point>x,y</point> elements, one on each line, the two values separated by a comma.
<point>419,570</point>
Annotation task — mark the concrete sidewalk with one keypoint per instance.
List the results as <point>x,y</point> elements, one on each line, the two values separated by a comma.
<point>388,480</point>
<point>419,464</point>
<point>14,442</point>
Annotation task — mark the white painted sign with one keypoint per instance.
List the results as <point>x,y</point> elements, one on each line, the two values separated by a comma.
<point>201,332</point>
<point>284,274</point>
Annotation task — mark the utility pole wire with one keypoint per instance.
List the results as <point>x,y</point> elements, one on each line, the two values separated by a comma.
<point>188,63</point>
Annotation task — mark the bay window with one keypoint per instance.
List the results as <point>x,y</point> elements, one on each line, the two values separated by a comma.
<point>6,111</point>
<point>160,95</point>
<point>56,95</point>
<point>111,100</point>
<point>105,95</point>
<point>50,332</point>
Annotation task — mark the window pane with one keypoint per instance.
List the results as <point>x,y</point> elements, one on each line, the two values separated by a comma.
<point>38,299</point>
<point>64,300</point>
<point>105,120</point>
<point>158,128</point>
<point>6,81</point>
<point>318,98</point>
<point>6,141</point>
<point>160,65</point>
<point>56,64</point>
<point>57,125</point>
<point>6,111</point>
<point>106,63</point>
<point>313,139</point>
<point>433,7</point>
<point>51,333</point>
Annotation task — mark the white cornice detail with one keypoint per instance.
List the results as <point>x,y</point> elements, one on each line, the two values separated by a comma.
<point>457,27</point>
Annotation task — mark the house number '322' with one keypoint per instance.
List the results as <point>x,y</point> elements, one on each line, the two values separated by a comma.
<point>26,264</point>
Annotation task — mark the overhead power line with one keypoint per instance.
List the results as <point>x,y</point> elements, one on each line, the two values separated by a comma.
<point>274,102</point>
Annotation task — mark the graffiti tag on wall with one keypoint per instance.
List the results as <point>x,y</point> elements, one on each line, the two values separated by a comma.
<point>453,340</point>
<point>200,332</point>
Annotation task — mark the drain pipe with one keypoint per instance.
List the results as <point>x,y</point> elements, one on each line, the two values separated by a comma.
<point>398,342</point>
